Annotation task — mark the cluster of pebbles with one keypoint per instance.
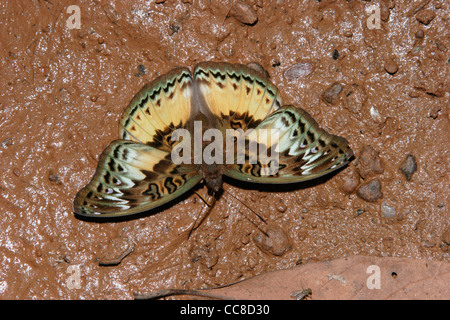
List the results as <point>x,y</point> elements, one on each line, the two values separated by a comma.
<point>367,167</point>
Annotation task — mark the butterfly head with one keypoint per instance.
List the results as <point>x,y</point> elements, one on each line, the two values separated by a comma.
<point>212,173</point>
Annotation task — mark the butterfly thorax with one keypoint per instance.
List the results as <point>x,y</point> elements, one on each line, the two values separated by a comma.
<point>212,175</point>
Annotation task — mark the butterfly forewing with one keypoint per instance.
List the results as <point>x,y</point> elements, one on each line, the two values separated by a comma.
<point>131,178</point>
<point>157,109</point>
<point>237,96</point>
<point>304,150</point>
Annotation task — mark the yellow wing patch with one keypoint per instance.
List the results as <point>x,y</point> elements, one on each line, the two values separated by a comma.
<point>238,96</point>
<point>157,109</point>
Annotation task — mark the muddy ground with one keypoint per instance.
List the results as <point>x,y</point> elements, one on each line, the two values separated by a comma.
<point>63,89</point>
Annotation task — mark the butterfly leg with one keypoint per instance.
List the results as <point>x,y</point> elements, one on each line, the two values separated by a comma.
<point>204,200</point>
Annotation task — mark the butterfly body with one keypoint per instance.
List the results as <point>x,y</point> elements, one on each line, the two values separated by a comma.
<point>212,175</point>
<point>175,134</point>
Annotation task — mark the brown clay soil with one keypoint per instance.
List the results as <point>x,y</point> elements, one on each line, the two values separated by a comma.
<point>63,90</point>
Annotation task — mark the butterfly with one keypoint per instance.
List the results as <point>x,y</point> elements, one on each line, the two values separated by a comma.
<point>136,173</point>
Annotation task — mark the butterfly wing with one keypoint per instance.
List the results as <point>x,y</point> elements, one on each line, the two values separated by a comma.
<point>158,109</point>
<point>131,178</point>
<point>304,151</point>
<point>237,96</point>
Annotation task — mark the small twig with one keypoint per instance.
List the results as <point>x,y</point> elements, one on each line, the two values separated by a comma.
<point>116,261</point>
<point>173,292</point>
<point>177,292</point>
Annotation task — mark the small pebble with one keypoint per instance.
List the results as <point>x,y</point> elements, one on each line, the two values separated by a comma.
<point>275,241</point>
<point>391,66</point>
<point>331,94</point>
<point>414,94</point>
<point>53,177</point>
<point>370,191</point>
<point>7,142</point>
<point>244,13</point>
<point>141,71</point>
<point>409,166</point>
<point>257,67</point>
<point>384,12</point>
<point>387,211</point>
<point>420,34</point>
<point>335,54</point>
<point>425,16</point>
<point>440,45</point>
<point>281,207</point>
<point>299,70</point>
<point>173,29</point>
<point>350,180</point>
<point>369,162</point>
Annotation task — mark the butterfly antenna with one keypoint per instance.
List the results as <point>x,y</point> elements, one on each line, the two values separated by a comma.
<point>249,208</point>
<point>209,206</point>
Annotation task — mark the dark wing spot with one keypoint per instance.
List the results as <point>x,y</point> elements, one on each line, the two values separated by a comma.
<point>111,165</point>
<point>322,143</point>
<point>171,187</point>
<point>291,116</point>
<point>285,121</point>
<point>133,111</point>
<point>125,154</point>
<point>152,191</point>
<point>107,177</point>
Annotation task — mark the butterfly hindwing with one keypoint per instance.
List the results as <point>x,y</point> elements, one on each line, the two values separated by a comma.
<point>157,109</point>
<point>131,178</point>
<point>238,96</point>
<point>303,150</point>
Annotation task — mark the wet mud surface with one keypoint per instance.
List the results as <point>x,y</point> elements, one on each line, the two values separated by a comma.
<point>386,90</point>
